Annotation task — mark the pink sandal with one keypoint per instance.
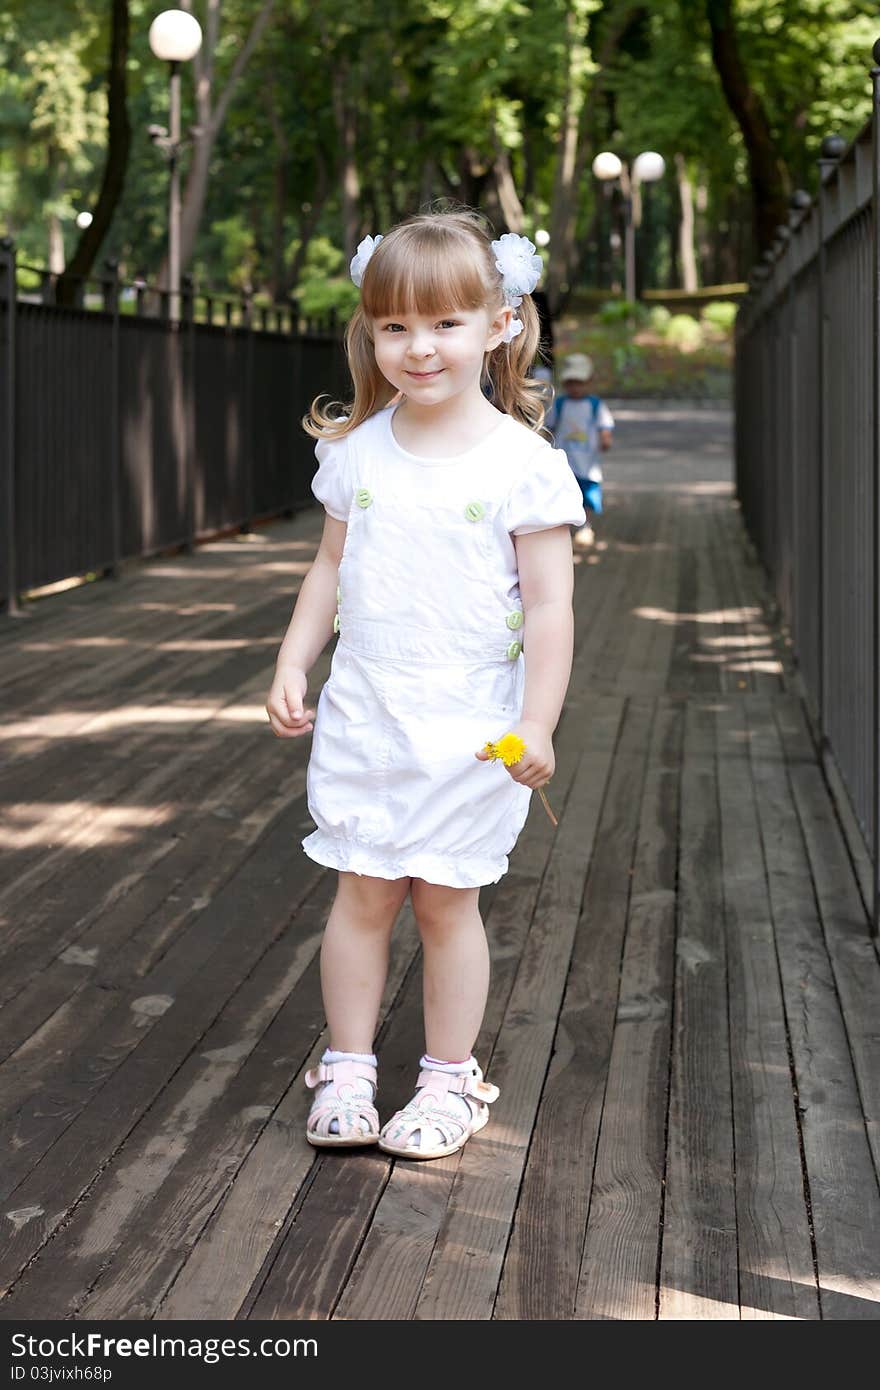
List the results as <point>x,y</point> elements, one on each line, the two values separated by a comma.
<point>446,1110</point>
<point>348,1089</point>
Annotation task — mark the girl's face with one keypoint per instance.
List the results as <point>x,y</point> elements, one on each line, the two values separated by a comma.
<point>431,359</point>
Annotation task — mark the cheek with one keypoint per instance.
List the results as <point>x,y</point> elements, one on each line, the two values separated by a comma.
<point>384,352</point>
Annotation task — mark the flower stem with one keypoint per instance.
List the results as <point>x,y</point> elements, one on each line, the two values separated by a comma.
<point>553,821</point>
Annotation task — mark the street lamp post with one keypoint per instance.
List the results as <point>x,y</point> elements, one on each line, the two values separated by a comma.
<point>646,168</point>
<point>175,37</point>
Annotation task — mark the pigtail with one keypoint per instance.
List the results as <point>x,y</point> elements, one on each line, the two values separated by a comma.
<point>507,372</point>
<point>372,391</point>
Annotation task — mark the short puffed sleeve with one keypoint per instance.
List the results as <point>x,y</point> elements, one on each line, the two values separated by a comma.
<point>331,484</point>
<point>546,494</point>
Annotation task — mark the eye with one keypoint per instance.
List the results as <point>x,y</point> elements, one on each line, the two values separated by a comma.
<point>393,327</point>
<point>450,323</point>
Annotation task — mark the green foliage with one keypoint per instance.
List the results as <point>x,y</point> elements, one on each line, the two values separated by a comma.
<point>620,311</point>
<point>442,90</point>
<point>721,315</point>
<point>321,289</point>
<point>659,318</point>
<point>684,333</point>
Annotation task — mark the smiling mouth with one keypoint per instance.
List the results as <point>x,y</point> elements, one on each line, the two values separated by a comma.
<point>424,375</point>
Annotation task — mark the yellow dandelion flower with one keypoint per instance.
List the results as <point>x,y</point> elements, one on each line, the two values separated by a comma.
<point>510,749</point>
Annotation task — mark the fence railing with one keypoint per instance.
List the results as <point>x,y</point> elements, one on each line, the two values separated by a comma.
<point>807,395</point>
<point>124,432</point>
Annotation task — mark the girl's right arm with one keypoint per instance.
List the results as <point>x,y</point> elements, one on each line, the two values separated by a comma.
<point>307,635</point>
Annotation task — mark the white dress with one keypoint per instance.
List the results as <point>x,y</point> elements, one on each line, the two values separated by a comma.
<point>429,661</point>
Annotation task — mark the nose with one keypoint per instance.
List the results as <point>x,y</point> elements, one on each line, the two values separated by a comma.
<point>421,344</point>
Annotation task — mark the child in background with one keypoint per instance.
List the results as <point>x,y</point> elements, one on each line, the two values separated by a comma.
<point>581,424</point>
<point>446,548</point>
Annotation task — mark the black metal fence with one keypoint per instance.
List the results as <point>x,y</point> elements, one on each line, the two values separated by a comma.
<point>124,432</point>
<point>807,394</point>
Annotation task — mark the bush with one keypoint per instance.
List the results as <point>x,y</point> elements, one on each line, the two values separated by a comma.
<point>720,314</point>
<point>659,318</point>
<point>619,311</point>
<point>684,333</point>
<point>319,289</point>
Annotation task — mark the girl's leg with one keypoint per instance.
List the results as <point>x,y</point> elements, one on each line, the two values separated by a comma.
<point>452,1099</point>
<point>456,967</point>
<point>354,957</point>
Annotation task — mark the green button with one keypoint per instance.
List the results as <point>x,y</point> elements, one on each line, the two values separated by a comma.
<point>475,511</point>
<point>363,497</point>
<point>514,650</point>
<point>514,619</point>
<point>335,622</point>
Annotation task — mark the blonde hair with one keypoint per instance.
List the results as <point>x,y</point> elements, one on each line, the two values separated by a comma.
<point>430,264</point>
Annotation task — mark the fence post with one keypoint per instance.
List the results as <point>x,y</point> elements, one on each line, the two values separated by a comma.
<point>110,290</point>
<point>250,414</point>
<point>875,268</point>
<point>186,330</point>
<point>7,441</point>
<point>831,150</point>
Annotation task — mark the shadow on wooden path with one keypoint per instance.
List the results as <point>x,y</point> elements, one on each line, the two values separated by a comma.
<point>683,1017</point>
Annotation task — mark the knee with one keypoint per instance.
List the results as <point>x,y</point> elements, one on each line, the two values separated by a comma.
<point>373,901</point>
<point>437,907</point>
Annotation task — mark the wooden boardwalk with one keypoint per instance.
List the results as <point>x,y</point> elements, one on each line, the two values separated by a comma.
<point>683,1015</point>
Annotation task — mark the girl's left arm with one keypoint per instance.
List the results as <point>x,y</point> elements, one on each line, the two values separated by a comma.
<point>546,581</point>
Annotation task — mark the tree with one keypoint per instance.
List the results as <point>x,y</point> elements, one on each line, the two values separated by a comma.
<point>767,172</point>
<point>118,145</point>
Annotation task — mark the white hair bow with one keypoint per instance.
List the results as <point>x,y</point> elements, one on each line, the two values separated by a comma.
<point>360,259</point>
<point>520,271</point>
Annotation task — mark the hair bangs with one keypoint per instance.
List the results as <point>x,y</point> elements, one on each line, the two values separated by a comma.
<point>426,269</point>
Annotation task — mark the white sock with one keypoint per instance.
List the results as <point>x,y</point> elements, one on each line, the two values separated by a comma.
<point>363,1089</point>
<point>331,1055</point>
<point>429,1063</point>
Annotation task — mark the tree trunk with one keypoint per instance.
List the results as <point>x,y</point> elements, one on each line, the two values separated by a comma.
<point>505,188</point>
<point>116,163</point>
<point>767,172</point>
<point>701,233</point>
<point>563,206</point>
<point>350,182</point>
<point>686,227</point>
<point>210,117</point>
<point>55,238</point>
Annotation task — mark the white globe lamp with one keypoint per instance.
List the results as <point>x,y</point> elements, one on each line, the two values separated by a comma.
<point>542,237</point>
<point>83,220</point>
<point>175,36</point>
<point>607,166</point>
<point>648,167</point>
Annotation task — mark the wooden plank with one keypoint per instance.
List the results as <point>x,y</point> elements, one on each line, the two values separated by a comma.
<point>776,1263</point>
<point>39,1123</point>
<point>223,798</point>
<point>100,777</point>
<point>698,1267</point>
<point>491,1183</point>
<point>618,1273</point>
<point>206,1117</point>
<point>392,1264</point>
<point>845,921</point>
<point>173,1021</point>
<point>842,1180</point>
<point>256,1214</point>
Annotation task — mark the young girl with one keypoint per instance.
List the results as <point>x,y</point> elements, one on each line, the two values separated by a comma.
<point>446,549</point>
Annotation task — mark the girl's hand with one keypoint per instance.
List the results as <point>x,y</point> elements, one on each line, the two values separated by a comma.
<point>538,762</point>
<point>286,704</point>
